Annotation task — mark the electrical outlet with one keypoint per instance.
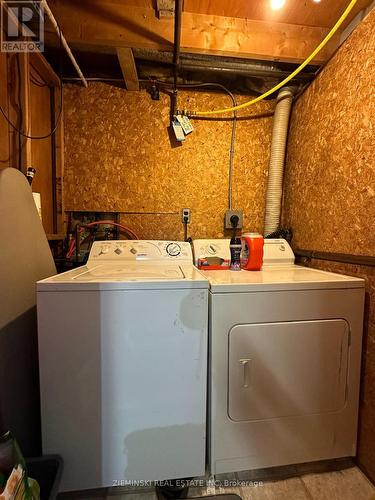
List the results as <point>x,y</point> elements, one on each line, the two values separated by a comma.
<point>185,214</point>
<point>228,214</point>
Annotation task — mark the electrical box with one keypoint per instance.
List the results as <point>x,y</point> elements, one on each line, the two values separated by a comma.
<point>185,214</point>
<point>227,221</point>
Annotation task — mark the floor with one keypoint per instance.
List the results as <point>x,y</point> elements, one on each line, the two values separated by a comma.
<point>347,484</point>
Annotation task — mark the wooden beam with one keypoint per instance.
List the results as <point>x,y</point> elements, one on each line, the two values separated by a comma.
<point>25,106</point>
<point>44,69</point>
<point>59,154</point>
<point>120,25</point>
<point>5,133</point>
<point>45,73</point>
<point>128,68</point>
<point>303,13</point>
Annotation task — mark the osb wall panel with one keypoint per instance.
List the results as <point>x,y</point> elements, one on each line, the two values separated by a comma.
<point>330,186</point>
<point>330,176</point>
<point>119,157</point>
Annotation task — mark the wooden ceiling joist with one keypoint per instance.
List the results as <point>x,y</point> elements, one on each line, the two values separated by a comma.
<point>128,68</point>
<point>303,13</point>
<point>118,24</point>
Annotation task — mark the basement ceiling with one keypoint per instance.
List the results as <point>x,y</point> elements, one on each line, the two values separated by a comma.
<point>244,30</point>
<point>302,12</point>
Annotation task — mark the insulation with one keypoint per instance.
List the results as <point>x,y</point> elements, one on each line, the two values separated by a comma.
<point>119,157</point>
<point>330,186</point>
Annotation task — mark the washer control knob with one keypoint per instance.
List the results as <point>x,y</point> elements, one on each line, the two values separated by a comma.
<point>173,249</point>
<point>104,250</point>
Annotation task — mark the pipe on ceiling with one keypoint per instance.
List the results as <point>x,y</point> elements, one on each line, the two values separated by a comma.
<point>200,62</point>
<point>64,43</point>
<point>176,50</point>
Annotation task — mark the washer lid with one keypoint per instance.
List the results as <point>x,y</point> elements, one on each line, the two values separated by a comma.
<point>278,278</point>
<point>130,272</point>
<point>126,276</point>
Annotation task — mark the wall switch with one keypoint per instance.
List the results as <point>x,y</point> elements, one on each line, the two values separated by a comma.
<point>227,221</point>
<point>185,214</point>
<point>178,130</point>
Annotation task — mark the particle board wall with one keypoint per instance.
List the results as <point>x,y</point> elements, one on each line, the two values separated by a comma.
<point>330,185</point>
<point>119,157</point>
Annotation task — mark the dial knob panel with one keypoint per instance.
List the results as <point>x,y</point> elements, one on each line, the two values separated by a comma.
<point>212,249</point>
<point>173,249</point>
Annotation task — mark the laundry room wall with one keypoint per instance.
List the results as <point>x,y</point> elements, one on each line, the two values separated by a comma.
<point>330,186</point>
<point>29,86</point>
<point>118,157</point>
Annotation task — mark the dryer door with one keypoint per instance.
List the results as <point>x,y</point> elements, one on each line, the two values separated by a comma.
<point>287,369</point>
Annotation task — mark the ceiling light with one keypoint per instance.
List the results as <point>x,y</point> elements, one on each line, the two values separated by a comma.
<point>277,4</point>
<point>316,1</point>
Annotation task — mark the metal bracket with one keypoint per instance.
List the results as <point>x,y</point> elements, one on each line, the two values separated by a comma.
<point>165,8</point>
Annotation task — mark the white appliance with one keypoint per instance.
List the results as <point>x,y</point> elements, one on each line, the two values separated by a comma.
<point>212,254</point>
<point>123,365</point>
<point>285,354</point>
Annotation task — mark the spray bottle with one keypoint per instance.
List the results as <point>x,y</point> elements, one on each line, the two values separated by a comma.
<point>235,246</point>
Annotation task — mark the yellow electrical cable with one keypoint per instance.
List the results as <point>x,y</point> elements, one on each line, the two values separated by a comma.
<point>288,78</point>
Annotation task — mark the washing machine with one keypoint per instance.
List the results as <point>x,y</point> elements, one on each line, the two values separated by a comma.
<point>123,365</point>
<point>284,356</point>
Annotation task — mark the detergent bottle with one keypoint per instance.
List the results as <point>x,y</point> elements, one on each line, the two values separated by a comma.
<point>252,251</point>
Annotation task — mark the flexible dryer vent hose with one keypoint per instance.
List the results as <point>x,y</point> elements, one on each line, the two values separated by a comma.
<point>277,159</point>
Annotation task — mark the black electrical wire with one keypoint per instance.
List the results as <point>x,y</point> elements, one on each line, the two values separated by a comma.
<point>59,116</point>
<point>20,112</point>
<point>232,141</point>
<point>176,51</point>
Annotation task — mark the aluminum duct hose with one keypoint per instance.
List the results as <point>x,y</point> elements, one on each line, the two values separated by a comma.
<point>276,165</point>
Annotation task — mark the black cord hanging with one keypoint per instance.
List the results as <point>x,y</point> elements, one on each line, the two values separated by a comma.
<point>58,119</point>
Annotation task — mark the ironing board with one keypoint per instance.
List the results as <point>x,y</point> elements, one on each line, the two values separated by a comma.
<point>25,257</point>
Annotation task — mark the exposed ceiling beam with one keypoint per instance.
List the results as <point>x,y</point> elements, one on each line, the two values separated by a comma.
<point>128,68</point>
<point>43,68</point>
<point>302,12</point>
<point>120,25</point>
